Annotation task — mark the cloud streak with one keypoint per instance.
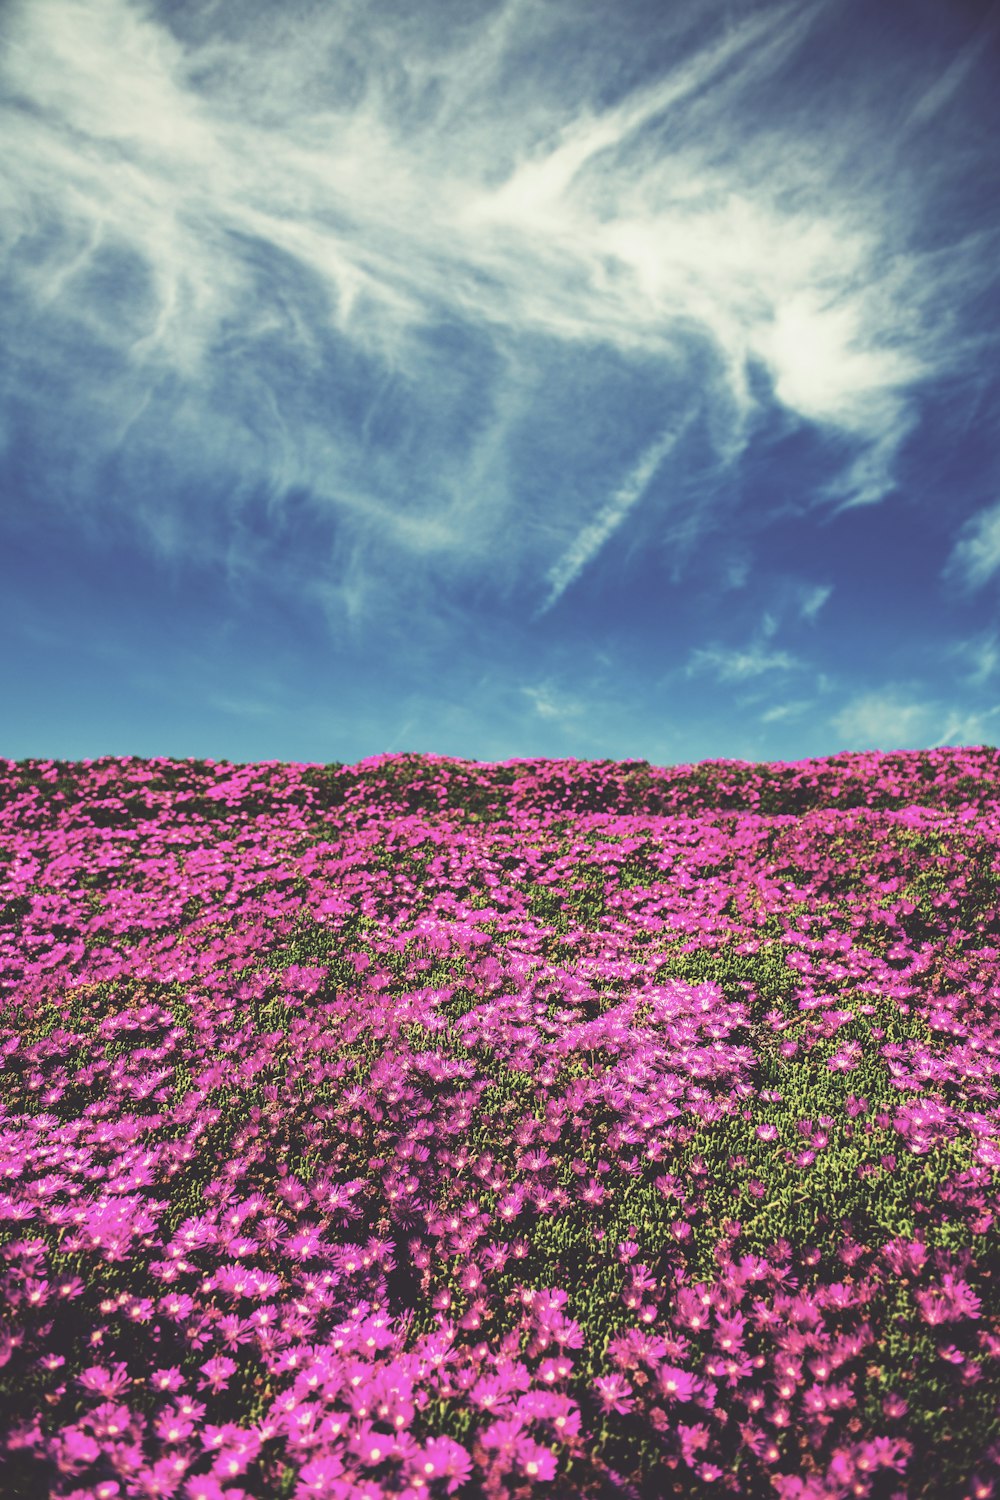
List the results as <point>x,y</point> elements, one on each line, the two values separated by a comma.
<point>591,539</point>
<point>733,665</point>
<point>893,719</point>
<point>975,557</point>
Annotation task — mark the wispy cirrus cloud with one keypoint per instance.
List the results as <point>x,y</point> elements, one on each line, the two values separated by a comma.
<point>885,720</point>
<point>894,718</point>
<point>812,600</point>
<point>975,557</point>
<point>734,665</point>
<point>790,601</point>
<point>367,304</point>
<point>981,655</point>
<point>549,703</point>
<point>780,713</point>
<point>942,91</point>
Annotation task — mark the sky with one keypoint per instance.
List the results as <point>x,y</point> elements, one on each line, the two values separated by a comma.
<point>499,378</point>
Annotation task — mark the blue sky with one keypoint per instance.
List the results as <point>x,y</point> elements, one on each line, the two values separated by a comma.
<point>547,377</point>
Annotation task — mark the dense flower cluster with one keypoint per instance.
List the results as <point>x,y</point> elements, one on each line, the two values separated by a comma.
<point>423,1128</point>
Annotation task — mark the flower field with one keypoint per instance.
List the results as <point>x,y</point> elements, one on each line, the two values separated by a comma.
<point>426,1128</point>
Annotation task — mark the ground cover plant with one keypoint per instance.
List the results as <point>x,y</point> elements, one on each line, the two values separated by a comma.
<point>425,1128</point>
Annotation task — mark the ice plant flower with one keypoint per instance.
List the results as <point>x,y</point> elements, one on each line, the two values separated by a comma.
<point>420,1127</point>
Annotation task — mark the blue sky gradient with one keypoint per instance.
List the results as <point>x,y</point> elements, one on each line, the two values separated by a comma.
<point>499,379</point>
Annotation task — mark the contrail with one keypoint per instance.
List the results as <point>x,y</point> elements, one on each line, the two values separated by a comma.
<point>588,542</point>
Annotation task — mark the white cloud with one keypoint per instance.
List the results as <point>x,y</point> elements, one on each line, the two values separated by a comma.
<point>780,712</point>
<point>884,721</point>
<point>824,365</point>
<point>983,656</point>
<point>738,666</point>
<point>549,703</point>
<point>323,252</point>
<point>944,88</point>
<point>969,728</point>
<point>976,555</point>
<point>892,719</point>
<point>811,600</point>
<point>241,708</point>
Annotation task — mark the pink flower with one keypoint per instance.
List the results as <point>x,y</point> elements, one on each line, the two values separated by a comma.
<point>490,1393</point>
<point>814,1401</point>
<point>503,1437</point>
<point>953,1300</point>
<point>882,1453</point>
<point>229,1463</point>
<point>614,1394</point>
<point>76,1450</point>
<point>679,1385</point>
<point>161,1480</point>
<point>442,1458</point>
<point>987,1154</point>
<point>214,1438</point>
<point>534,1461</point>
<point>791,1487</point>
<point>217,1373</point>
<point>204,1487</point>
<point>110,1421</point>
<point>905,1257</point>
<point>371,1446</point>
<point>171,1427</point>
<point>317,1477</point>
<point>102,1382</point>
<point>551,1370</point>
<point>847,1059</point>
<point>692,1307</point>
<point>693,1441</point>
<point>729,1331</point>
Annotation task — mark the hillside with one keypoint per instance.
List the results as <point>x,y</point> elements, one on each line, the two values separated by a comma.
<point>425,1127</point>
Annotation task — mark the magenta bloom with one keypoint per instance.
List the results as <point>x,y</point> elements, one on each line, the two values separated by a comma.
<point>679,1385</point>
<point>949,1302</point>
<point>442,1458</point>
<point>534,1461</point>
<point>172,1427</point>
<point>217,1372</point>
<point>204,1487</point>
<point>103,1382</point>
<point>76,1450</point>
<point>846,1059</point>
<point>372,1446</point>
<point>694,1440</point>
<point>490,1393</point>
<point>317,1478</point>
<point>503,1438</point>
<point>614,1394</point>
